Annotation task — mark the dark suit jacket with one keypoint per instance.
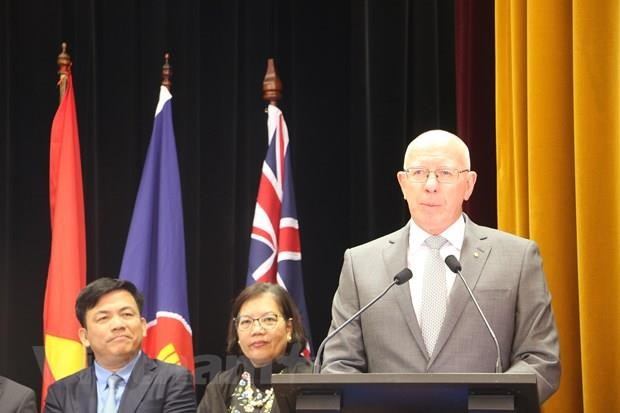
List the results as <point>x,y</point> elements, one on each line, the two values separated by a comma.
<point>153,386</point>
<point>505,274</point>
<point>15,398</point>
<point>219,390</point>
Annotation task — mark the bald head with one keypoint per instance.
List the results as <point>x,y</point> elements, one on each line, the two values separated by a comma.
<point>436,203</point>
<point>438,139</point>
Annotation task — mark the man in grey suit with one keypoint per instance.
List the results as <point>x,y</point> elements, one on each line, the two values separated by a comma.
<point>122,379</point>
<point>504,271</point>
<point>15,398</point>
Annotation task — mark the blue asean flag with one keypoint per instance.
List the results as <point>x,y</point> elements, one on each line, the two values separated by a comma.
<point>154,257</point>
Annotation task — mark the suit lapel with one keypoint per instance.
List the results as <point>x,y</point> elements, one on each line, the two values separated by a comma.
<point>474,254</point>
<point>139,382</point>
<point>84,391</point>
<point>2,385</point>
<point>395,259</point>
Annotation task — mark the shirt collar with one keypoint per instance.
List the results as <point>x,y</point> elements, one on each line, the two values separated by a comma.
<point>102,374</point>
<point>455,234</point>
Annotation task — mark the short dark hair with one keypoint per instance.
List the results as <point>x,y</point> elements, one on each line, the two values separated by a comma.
<point>90,295</point>
<point>286,304</point>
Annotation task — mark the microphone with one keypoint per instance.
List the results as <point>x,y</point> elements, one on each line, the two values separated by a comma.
<point>402,277</point>
<point>455,267</point>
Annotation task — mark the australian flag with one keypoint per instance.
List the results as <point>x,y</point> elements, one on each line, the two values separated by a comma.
<point>154,258</point>
<point>275,249</point>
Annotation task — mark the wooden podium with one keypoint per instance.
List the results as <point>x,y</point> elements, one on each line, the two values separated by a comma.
<point>406,393</point>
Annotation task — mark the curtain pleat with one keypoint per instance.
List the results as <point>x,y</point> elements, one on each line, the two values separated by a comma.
<point>596,67</point>
<point>558,134</point>
<point>511,120</point>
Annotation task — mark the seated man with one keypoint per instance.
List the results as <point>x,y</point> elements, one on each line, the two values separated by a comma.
<point>122,378</point>
<point>15,398</point>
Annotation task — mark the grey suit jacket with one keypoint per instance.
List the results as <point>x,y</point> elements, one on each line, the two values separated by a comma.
<point>505,274</point>
<point>15,398</point>
<point>153,386</point>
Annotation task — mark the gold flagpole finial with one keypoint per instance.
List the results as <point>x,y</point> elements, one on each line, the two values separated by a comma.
<point>272,85</point>
<point>166,72</point>
<point>64,68</point>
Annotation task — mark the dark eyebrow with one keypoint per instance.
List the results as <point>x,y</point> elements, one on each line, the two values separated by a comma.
<point>99,313</point>
<point>262,315</point>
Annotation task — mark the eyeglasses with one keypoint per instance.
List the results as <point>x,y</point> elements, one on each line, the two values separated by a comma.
<point>443,175</point>
<point>268,321</point>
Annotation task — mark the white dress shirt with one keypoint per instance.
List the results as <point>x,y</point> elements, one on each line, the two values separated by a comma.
<point>418,251</point>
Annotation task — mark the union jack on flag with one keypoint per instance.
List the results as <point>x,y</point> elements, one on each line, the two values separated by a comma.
<point>275,250</point>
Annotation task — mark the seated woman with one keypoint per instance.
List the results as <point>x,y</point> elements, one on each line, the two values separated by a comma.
<point>265,330</point>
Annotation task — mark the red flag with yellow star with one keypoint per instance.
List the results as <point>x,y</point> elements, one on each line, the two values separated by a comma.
<point>64,354</point>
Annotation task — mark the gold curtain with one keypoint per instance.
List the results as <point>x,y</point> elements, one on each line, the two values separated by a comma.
<point>558,165</point>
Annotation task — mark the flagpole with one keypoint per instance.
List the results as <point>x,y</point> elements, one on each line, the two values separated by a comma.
<point>66,276</point>
<point>275,246</point>
<point>159,268</point>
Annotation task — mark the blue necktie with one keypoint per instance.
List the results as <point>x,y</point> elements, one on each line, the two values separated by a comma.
<point>110,402</point>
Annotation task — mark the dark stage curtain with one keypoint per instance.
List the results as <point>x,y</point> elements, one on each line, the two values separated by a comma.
<point>361,78</point>
<point>475,97</point>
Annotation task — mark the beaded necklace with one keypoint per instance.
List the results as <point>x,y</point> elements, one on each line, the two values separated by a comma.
<point>250,398</point>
